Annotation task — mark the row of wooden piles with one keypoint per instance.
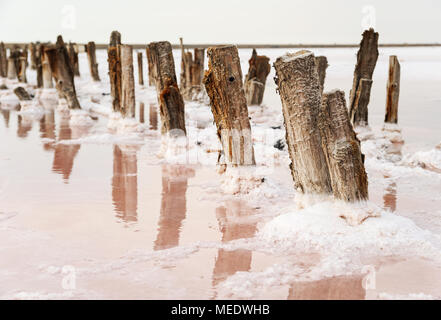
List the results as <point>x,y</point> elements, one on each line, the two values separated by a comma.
<point>322,144</point>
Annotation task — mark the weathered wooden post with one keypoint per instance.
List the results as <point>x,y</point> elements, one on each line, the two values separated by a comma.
<point>46,72</point>
<point>113,53</point>
<point>141,112</point>
<point>342,149</point>
<point>393,91</point>
<point>361,87</point>
<point>321,63</point>
<point>73,57</point>
<point>22,70</point>
<point>93,65</point>
<point>127,82</point>
<point>33,52</point>
<point>299,87</point>
<point>223,83</point>
<point>170,100</point>
<point>63,73</point>
<point>192,72</point>
<point>38,64</point>
<point>12,71</point>
<point>140,73</point>
<point>255,80</point>
<point>3,61</point>
<point>150,67</point>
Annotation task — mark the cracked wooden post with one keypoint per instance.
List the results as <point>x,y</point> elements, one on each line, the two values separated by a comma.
<point>63,73</point>
<point>22,94</point>
<point>3,61</point>
<point>342,149</point>
<point>223,83</point>
<point>46,72</point>
<point>12,71</point>
<point>192,72</point>
<point>171,103</point>
<point>93,65</point>
<point>38,64</point>
<point>321,63</point>
<point>255,80</point>
<point>22,70</point>
<point>113,54</point>
<point>33,52</point>
<point>73,57</point>
<point>150,67</point>
<point>393,90</point>
<point>140,73</point>
<point>299,88</point>
<point>360,93</point>
<point>127,82</point>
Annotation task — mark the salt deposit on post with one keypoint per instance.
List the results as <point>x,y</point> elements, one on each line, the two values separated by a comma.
<point>256,78</point>
<point>127,82</point>
<point>361,87</point>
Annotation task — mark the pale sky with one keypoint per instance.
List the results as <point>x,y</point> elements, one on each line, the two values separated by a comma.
<point>221,21</point>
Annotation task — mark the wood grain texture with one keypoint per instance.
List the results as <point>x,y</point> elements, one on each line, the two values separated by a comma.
<point>255,80</point>
<point>393,90</point>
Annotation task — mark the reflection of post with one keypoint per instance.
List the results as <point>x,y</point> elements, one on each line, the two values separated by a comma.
<point>173,205</point>
<point>337,288</point>
<point>47,129</point>
<point>125,183</point>
<point>24,126</point>
<point>233,227</point>
<point>153,117</point>
<point>65,154</point>
<point>141,112</point>
<point>6,114</point>
<point>390,196</point>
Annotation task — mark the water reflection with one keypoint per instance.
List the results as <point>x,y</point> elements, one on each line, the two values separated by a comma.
<point>336,288</point>
<point>47,129</point>
<point>390,196</point>
<point>64,154</point>
<point>234,223</point>
<point>141,112</point>
<point>173,205</point>
<point>125,182</point>
<point>153,117</point>
<point>6,116</point>
<point>24,126</point>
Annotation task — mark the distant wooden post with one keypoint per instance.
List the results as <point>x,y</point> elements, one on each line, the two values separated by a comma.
<point>393,90</point>
<point>73,57</point>
<point>342,149</point>
<point>140,71</point>
<point>150,67</point>
<point>127,82</point>
<point>3,61</point>
<point>223,83</point>
<point>321,63</point>
<point>169,97</point>
<point>255,80</point>
<point>46,72</point>
<point>22,70</point>
<point>114,60</point>
<point>33,53</point>
<point>141,112</point>
<point>360,94</point>
<point>93,65</point>
<point>299,87</point>
<point>38,64</point>
<point>153,117</point>
<point>192,72</point>
<point>12,71</point>
<point>63,73</point>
